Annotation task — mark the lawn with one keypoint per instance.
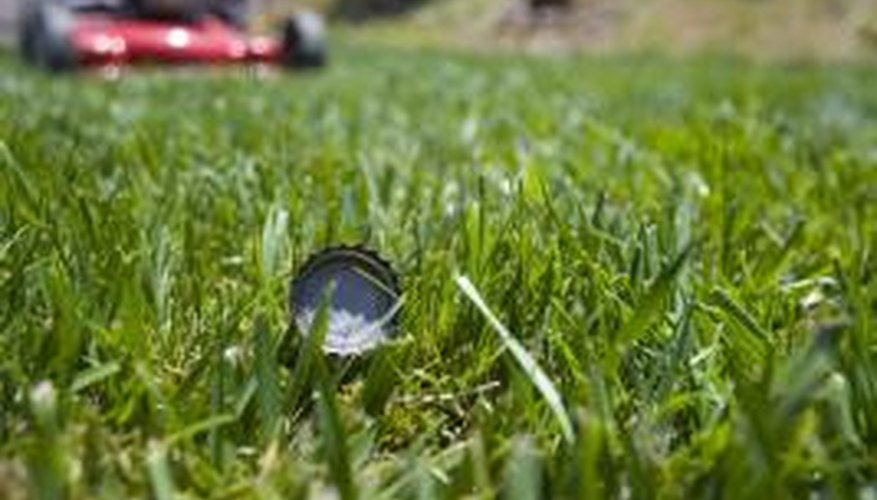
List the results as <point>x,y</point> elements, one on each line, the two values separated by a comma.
<point>623,277</point>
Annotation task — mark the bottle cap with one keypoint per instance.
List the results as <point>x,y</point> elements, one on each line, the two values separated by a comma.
<point>364,303</point>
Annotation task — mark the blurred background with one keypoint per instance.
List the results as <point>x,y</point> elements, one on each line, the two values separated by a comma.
<point>760,29</point>
<point>820,29</point>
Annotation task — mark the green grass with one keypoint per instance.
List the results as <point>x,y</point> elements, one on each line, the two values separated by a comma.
<point>623,277</point>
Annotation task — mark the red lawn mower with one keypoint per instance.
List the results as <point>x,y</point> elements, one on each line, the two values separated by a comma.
<point>61,35</point>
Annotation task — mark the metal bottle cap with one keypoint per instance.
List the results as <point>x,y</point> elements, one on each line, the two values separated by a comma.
<point>364,304</point>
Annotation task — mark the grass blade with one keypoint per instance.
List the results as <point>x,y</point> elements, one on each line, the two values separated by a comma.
<point>334,439</point>
<point>524,473</point>
<point>94,376</point>
<point>159,472</point>
<point>649,309</point>
<point>529,365</point>
<point>329,422</point>
<point>268,391</point>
